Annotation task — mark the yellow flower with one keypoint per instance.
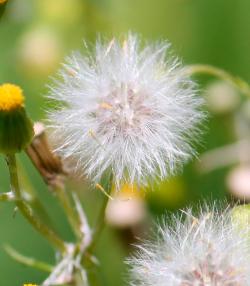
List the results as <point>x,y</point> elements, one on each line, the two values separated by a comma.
<point>16,129</point>
<point>11,96</point>
<point>2,1</point>
<point>28,283</point>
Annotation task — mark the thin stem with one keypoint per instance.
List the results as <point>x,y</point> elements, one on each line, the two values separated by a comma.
<point>101,217</point>
<point>69,210</point>
<point>27,211</point>
<point>28,261</point>
<point>30,195</point>
<point>237,82</point>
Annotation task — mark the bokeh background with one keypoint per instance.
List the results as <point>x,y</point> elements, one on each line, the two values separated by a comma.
<point>35,36</point>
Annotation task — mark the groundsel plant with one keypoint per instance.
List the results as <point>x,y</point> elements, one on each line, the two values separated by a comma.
<point>125,108</point>
<point>130,111</point>
<point>207,250</point>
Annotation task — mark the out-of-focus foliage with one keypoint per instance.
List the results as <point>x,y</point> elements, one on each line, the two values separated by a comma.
<point>35,35</point>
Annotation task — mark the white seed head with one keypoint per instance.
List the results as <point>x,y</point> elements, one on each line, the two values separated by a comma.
<point>126,109</point>
<point>203,251</point>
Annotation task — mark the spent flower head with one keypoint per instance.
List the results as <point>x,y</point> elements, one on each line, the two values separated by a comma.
<point>205,251</point>
<point>126,109</point>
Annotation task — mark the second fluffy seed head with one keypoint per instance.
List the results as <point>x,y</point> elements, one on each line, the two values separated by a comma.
<point>204,250</point>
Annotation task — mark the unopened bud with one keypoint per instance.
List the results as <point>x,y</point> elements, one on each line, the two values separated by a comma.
<point>16,129</point>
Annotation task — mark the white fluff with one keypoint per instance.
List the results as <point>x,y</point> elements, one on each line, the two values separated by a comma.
<point>202,251</point>
<point>126,109</point>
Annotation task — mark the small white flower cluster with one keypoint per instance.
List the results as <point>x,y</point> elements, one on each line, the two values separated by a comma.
<point>203,251</point>
<point>126,109</point>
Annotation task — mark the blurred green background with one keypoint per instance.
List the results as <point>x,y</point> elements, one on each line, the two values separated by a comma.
<point>35,36</point>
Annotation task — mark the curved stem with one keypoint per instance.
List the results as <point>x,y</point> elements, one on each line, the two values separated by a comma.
<point>30,195</point>
<point>28,261</point>
<point>69,210</point>
<point>27,211</point>
<point>237,82</point>
<point>101,217</point>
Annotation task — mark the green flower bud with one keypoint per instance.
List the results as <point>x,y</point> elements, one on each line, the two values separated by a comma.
<point>16,129</point>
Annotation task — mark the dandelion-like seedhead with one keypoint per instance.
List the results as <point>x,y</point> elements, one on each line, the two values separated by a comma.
<point>126,109</point>
<point>203,251</point>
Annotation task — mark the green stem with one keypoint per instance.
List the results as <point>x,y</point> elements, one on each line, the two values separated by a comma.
<point>237,82</point>
<point>69,210</point>
<point>28,261</point>
<point>27,211</point>
<point>30,195</point>
<point>100,223</point>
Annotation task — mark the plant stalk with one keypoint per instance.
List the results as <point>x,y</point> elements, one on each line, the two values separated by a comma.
<point>100,223</point>
<point>27,211</point>
<point>237,82</point>
<point>69,210</point>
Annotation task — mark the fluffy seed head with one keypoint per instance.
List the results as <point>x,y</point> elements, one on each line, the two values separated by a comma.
<point>126,108</point>
<point>203,251</point>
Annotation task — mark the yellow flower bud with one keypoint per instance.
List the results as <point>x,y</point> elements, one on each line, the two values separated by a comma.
<point>11,97</point>
<point>16,129</point>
